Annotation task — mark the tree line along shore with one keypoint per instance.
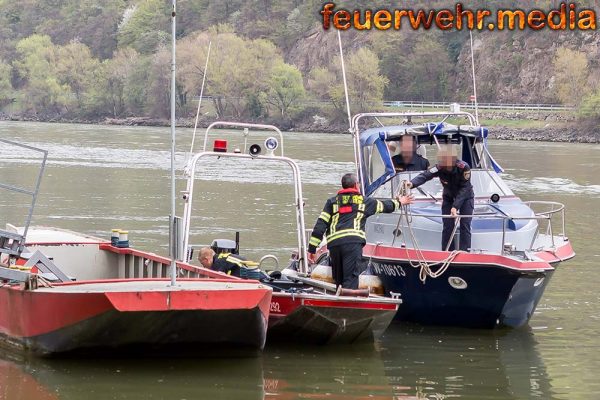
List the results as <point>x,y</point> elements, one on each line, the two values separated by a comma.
<point>80,61</point>
<point>519,126</point>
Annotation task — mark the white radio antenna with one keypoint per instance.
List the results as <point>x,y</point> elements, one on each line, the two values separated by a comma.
<point>474,81</point>
<point>201,94</point>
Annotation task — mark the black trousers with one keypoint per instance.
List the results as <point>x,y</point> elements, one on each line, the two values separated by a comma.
<point>346,264</point>
<point>465,224</point>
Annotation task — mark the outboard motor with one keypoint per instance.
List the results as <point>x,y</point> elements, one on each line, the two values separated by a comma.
<point>224,246</point>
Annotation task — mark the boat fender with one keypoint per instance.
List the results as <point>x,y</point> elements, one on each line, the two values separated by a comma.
<point>369,281</point>
<point>322,273</point>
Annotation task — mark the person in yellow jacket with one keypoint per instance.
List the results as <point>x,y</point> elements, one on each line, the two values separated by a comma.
<point>227,263</point>
<point>343,221</point>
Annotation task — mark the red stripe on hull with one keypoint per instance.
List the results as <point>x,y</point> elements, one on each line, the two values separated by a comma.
<point>404,254</point>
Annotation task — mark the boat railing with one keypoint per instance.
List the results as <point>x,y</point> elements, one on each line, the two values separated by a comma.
<point>192,167</point>
<point>246,132</point>
<point>545,215</point>
<point>461,114</point>
<point>138,264</point>
<point>10,242</point>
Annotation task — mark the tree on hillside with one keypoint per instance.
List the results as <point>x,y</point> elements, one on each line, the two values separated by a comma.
<point>239,69</point>
<point>392,50</point>
<point>319,82</point>
<point>366,84</point>
<point>570,75</point>
<point>41,90</point>
<point>7,93</point>
<point>145,26</point>
<point>590,106</point>
<point>286,88</point>
<point>425,72</point>
<point>109,94</point>
<point>75,67</point>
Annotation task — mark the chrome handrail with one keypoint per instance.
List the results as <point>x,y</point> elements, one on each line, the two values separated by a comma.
<point>544,215</point>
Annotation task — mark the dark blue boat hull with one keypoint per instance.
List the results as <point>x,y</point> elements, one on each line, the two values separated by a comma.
<point>494,296</point>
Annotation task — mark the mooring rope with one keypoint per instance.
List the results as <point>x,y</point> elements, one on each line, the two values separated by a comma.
<point>421,262</point>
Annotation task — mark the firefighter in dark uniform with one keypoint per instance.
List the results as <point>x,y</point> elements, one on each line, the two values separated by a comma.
<point>408,159</point>
<point>343,222</point>
<point>458,195</point>
<point>227,263</point>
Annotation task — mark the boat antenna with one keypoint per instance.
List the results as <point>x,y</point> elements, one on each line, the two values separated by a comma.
<point>345,82</point>
<point>350,127</point>
<point>474,81</point>
<point>201,94</point>
<point>172,230</point>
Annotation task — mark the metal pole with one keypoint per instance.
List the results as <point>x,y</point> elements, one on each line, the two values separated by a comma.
<point>172,218</point>
<point>353,130</point>
<point>200,101</point>
<point>345,82</point>
<point>474,82</point>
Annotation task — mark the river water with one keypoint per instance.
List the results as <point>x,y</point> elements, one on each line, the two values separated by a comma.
<point>102,177</point>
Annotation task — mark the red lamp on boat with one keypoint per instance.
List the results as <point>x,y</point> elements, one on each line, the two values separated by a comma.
<point>220,146</point>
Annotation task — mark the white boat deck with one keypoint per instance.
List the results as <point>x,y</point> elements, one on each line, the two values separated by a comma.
<point>43,234</point>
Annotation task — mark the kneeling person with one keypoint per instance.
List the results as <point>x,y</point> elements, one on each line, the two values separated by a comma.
<point>227,263</point>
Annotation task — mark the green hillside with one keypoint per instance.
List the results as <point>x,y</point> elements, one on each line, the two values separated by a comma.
<point>270,59</point>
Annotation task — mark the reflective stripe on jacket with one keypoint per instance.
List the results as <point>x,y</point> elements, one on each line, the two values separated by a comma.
<point>344,217</point>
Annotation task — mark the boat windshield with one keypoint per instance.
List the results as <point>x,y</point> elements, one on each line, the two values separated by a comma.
<point>485,183</point>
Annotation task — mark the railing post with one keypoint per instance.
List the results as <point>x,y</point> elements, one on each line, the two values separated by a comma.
<point>503,236</point>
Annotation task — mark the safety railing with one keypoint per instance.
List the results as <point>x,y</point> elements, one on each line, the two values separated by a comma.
<point>11,243</point>
<point>546,215</point>
<point>481,106</point>
<point>137,264</point>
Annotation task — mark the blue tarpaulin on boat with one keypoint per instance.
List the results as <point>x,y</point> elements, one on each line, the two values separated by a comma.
<point>387,162</point>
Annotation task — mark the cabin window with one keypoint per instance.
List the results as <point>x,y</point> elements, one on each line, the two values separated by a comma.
<point>375,165</point>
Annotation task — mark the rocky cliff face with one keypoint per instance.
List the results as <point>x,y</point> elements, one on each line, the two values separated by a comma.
<point>518,66</point>
<point>511,67</point>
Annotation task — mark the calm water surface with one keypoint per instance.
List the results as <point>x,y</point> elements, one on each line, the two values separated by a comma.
<point>99,178</point>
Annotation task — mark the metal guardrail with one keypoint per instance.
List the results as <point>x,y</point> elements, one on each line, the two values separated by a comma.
<point>544,215</point>
<point>481,106</point>
<point>433,104</point>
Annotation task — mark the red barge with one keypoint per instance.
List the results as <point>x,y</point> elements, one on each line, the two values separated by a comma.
<point>65,292</point>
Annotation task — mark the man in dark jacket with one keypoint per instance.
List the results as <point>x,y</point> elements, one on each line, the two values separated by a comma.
<point>458,195</point>
<point>408,159</point>
<point>343,222</point>
<point>227,263</point>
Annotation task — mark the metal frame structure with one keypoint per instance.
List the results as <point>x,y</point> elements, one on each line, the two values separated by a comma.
<point>12,243</point>
<point>544,215</point>
<point>355,130</point>
<point>298,199</point>
<point>244,125</point>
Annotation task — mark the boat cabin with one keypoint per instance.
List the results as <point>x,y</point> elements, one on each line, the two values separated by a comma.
<point>501,221</point>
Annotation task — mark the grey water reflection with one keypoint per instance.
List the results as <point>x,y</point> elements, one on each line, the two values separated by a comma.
<point>412,362</point>
<point>439,363</point>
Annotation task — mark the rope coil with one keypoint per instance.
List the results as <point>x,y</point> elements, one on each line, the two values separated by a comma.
<point>426,268</point>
